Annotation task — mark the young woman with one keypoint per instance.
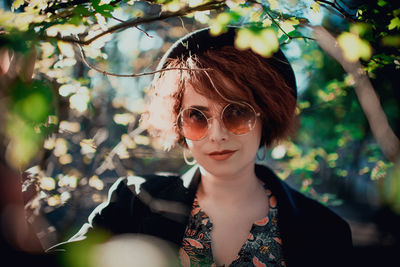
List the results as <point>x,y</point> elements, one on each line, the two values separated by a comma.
<point>222,105</point>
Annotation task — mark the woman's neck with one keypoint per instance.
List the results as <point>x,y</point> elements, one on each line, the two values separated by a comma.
<point>228,189</point>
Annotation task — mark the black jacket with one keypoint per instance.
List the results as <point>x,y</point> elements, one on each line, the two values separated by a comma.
<point>158,205</point>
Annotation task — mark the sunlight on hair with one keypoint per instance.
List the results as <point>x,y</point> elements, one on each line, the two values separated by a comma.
<point>133,250</point>
<point>162,112</point>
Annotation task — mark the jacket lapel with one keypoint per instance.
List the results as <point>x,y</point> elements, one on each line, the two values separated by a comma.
<point>167,210</point>
<point>290,219</point>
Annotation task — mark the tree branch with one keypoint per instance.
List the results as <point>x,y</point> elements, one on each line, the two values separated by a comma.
<point>337,8</point>
<point>137,21</point>
<point>368,99</point>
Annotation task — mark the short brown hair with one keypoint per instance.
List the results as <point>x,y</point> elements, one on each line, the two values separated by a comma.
<point>215,74</point>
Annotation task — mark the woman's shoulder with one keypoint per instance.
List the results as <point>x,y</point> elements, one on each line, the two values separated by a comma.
<point>134,184</point>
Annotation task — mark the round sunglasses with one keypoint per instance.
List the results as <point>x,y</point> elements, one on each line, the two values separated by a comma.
<point>239,118</point>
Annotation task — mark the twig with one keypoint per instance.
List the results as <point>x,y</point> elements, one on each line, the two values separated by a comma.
<point>91,66</point>
<point>143,31</point>
<point>285,33</point>
<point>117,19</point>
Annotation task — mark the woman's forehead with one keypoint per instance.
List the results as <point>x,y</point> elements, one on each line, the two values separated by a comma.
<point>193,98</point>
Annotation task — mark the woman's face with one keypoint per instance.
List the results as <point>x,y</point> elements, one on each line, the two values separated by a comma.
<point>220,152</point>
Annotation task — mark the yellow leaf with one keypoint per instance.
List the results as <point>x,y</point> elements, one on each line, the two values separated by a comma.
<point>266,44</point>
<point>16,4</point>
<point>66,49</point>
<point>255,16</point>
<point>217,26</point>
<point>128,141</point>
<point>273,4</point>
<point>65,159</point>
<point>142,140</point>
<point>224,18</point>
<point>243,39</point>
<point>316,7</point>
<point>87,146</point>
<point>95,182</point>
<point>267,23</point>
<point>394,23</point>
<point>216,29</point>
<point>80,99</point>
<point>193,3</point>
<point>202,16</point>
<point>354,47</point>
<point>6,18</point>
<point>287,27</point>
<point>365,50</point>
<point>104,2</point>
<point>34,5</point>
<point>172,7</point>
<point>54,200</point>
<point>124,118</point>
<point>359,28</point>
<point>47,183</point>
<point>60,147</point>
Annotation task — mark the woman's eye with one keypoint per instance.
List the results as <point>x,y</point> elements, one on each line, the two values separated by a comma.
<point>236,111</point>
<point>195,115</point>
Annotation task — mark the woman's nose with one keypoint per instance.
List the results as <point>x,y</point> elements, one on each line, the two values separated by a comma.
<point>217,131</point>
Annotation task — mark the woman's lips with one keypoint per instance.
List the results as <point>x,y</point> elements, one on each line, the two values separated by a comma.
<point>221,155</point>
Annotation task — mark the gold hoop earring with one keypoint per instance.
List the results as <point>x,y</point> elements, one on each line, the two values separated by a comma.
<point>264,154</point>
<point>186,160</point>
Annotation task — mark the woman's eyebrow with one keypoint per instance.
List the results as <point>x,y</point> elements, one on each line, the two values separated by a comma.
<point>201,108</point>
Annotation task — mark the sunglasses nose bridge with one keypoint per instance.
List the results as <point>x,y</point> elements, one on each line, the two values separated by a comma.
<point>216,128</point>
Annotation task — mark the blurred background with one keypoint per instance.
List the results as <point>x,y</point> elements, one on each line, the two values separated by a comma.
<point>69,120</point>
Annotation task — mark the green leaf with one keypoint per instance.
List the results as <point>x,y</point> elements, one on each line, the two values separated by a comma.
<point>82,11</point>
<point>391,40</point>
<point>382,3</point>
<point>33,103</point>
<point>76,20</point>
<point>394,23</point>
<point>104,10</point>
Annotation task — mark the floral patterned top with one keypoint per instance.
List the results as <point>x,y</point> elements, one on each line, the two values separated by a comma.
<point>262,248</point>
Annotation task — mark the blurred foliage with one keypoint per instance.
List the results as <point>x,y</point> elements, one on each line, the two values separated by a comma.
<point>74,127</point>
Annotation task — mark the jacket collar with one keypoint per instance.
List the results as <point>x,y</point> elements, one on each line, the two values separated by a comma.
<point>281,190</point>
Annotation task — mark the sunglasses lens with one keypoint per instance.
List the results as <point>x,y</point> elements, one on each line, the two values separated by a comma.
<point>193,124</point>
<point>239,118</point>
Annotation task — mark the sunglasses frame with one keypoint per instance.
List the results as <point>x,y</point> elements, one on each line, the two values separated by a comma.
<point>256,114</point>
